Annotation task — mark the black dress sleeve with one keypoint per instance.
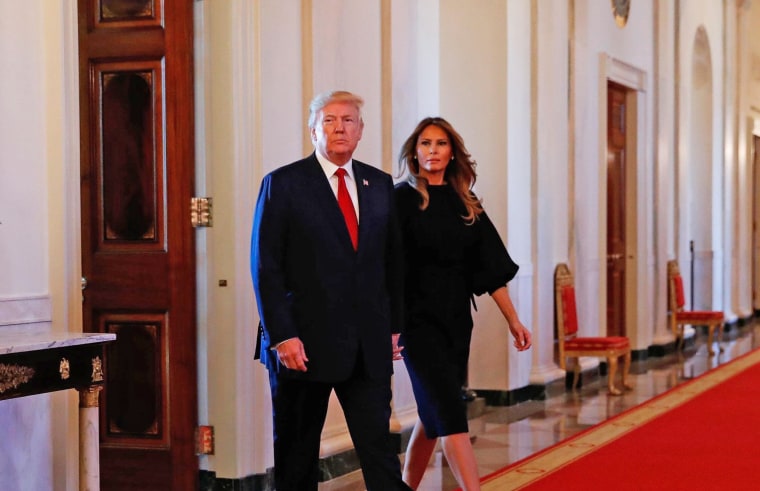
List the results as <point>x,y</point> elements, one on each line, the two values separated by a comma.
<point>492,266</point>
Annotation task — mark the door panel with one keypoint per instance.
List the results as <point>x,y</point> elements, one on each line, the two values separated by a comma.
<point>138,253</point>
<point>616,162</point>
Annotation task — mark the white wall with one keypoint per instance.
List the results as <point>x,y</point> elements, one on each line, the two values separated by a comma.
<point>665,198</point>
<point>23,185</point>
<point>751,110</point>
<point>700,159</point>
<point>473,74</point>
<point>605,51</point>
<point>262,63</point>
<point>527,102</point>
<point>39,228</point>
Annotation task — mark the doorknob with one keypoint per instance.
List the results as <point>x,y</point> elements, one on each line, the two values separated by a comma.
<point>614,257</point>
<point>84,283</point>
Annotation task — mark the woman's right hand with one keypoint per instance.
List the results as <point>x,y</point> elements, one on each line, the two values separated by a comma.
<point>521,335</point>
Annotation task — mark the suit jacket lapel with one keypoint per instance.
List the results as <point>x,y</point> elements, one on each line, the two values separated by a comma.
<point>363,191</point>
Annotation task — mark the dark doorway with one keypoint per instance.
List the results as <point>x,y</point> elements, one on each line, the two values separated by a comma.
<point>616,210</point>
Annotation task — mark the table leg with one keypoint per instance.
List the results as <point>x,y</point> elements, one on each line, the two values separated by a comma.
<point>89,439</point>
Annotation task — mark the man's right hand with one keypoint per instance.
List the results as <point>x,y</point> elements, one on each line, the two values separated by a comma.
<point>292,354</point>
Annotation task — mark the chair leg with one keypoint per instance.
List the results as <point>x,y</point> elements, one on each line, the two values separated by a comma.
<point>612,361</point>
<point>710,333</point>
<point>680,341</point>
<point>720,338</point>
<point>626,370</point>
<point>576,372</point>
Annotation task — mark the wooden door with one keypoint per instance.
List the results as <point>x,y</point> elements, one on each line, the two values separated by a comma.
<point>616,139</point>
<point>138,252</point>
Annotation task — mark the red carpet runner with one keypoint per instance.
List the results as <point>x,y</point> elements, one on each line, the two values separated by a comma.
<point>703,434</point>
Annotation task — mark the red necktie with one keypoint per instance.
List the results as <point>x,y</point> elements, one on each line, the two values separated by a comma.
<point>347,207</point>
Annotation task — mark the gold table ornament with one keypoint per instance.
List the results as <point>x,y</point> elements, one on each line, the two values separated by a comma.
<point>97,369</point>
<point>64,368</point>
<point>11,376</point>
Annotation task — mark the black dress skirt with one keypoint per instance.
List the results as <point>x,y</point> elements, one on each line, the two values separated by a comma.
<point>447,263</point>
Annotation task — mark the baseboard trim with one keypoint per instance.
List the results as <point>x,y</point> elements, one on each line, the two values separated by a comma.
<point>329,468</point>
<point>256,482</point>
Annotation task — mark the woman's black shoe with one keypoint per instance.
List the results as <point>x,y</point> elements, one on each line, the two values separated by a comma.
<point>468,394</point>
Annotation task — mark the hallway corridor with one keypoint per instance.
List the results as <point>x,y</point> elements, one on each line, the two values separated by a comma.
<point>503,435</point>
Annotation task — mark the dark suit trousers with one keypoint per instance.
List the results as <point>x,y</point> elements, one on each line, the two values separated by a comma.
<point>299,408</point>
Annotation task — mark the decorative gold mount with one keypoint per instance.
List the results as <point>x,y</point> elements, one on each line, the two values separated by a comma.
<point>89,396</point>
<point>97,370</point>
<point>64,368</point>
<point>201,212</point>
<point>11,376</point>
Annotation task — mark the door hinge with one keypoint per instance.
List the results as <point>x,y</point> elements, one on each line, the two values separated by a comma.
<point>204,440</point>
<point>201,212</point>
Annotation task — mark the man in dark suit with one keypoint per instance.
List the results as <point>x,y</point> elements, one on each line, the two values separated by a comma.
<point>329,298</point>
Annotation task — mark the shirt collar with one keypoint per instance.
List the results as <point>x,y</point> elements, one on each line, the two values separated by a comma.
<point>329,168</point>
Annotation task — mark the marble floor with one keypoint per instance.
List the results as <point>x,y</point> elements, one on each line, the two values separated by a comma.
<point>503,435</point>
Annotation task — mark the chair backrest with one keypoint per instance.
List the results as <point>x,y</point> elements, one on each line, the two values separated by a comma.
<point>567,314</point>
<point>676,299</point>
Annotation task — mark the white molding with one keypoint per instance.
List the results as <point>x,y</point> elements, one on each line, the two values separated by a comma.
<point>543,375</point>
<point>638,179</point>
<point>623,73</point>
<point>403,419</point>
<point>25,310</point>
<point>333,445</point>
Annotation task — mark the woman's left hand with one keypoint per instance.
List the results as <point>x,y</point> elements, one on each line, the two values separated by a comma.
<point>396,348</point>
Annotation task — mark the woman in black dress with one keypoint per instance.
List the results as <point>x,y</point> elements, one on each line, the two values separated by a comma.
<point>452,253</point>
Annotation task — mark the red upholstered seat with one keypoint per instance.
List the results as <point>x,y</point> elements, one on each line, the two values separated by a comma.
<point>572,346</point>
<point>699,316</point>
<point>679,317</point>
<point>612,342</point>
<point>570,316</point>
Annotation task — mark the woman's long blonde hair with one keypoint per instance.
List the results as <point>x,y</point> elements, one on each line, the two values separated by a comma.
<point>460,172</point>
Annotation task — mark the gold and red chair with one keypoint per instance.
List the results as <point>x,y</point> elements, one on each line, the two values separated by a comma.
<point>679,317</point>
<point>572,346</point>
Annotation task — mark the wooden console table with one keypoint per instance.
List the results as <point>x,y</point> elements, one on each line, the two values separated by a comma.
<point>45,362</point>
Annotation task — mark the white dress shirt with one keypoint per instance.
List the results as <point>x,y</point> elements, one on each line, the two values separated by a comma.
<point>329,169</point>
